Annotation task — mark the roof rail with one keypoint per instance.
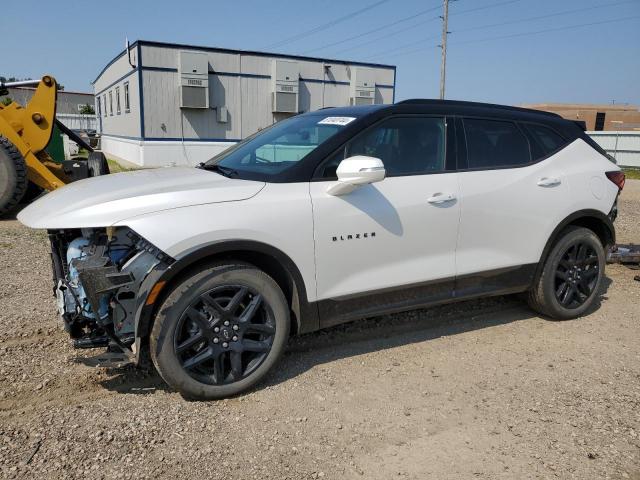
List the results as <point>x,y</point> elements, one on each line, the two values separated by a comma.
<point>462,103</point>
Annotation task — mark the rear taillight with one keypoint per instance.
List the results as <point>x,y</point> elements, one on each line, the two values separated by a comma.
<point>617,177</point>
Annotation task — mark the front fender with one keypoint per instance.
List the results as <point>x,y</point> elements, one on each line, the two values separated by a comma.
<point>160,282</point>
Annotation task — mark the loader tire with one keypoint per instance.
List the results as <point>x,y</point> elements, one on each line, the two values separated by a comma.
<point>97,164</point>
<point>13,176</point>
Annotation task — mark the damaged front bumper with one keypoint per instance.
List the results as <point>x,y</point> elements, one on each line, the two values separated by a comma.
<point>102,280</point>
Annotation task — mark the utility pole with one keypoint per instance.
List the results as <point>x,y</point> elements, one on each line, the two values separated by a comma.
<point>443,46</point>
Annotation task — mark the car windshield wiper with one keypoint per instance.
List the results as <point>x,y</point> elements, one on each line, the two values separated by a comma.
<point>224,171</point>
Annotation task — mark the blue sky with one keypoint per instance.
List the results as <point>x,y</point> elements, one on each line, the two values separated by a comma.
<point>491,57</point>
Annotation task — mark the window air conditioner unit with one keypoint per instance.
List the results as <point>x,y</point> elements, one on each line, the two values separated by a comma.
<point>363,86</point>
<point>194,80</point>
<point>284,78</point>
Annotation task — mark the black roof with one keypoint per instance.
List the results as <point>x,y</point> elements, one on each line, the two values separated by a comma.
<point>448,107</point>
<point>461,103</point>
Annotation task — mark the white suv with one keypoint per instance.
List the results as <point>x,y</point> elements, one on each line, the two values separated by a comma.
<point>323,218</point>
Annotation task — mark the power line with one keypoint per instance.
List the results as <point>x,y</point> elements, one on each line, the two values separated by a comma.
<point>417,42</point>
<point>377,29</point>
<point>327,25</point>
<point>522,34</point>
<point>377,39</point>
<point>539,17</point>
<point>568,27</point>
<point>429,20</point>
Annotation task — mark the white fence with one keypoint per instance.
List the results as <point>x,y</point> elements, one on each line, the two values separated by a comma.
<point>77,121</point>
<point>623,146</point>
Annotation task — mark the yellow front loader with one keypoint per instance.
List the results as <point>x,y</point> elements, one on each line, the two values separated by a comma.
<point>25,132</point>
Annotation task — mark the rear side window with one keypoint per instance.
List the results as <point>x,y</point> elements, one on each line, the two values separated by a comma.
<point>495,144</point>
<point>547,139</point>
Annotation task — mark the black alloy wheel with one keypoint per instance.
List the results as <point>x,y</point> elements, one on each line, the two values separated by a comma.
<point>224,334</point>
<point>220,331</point>
<point>576,275</point>
<point>571,275</point>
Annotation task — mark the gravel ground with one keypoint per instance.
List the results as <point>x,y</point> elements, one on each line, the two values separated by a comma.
<point>480,390</point>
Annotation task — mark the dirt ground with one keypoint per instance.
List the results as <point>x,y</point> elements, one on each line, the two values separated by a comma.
<point>479,390</point>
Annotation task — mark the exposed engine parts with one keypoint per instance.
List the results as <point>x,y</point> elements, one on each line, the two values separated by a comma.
<point>97,274</point>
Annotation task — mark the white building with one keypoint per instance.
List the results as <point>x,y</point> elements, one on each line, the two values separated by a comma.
<point>162,104</point>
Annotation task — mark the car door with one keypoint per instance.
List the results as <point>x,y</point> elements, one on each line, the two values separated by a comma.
<point>374,242</point>
<point>511,200</point>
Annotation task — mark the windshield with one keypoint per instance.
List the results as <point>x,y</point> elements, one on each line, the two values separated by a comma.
<point>278,148</point>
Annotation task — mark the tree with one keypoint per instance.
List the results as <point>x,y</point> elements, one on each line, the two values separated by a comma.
<point>87,110</point>
<point>6,101</point>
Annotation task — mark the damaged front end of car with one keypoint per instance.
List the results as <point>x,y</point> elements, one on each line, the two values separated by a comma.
<point>101,280</point>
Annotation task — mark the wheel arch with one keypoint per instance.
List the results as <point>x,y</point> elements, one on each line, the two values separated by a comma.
<point>267,258</point>
<point>594,220</point>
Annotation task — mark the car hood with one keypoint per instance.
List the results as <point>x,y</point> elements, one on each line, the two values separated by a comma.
<point>109,199</point>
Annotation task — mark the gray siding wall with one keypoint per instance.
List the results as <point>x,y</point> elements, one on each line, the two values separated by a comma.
<point>67,102</point>
<point>238,81</point>
<point>125,124</point>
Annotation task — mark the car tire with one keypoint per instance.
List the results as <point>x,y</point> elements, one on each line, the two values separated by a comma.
<point>97,164</point>
<point>220,331</point>
<point>571,276</point>
<point>13,176</point>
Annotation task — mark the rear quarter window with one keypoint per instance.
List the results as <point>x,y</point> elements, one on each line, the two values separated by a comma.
<point>545,139</point>
<point>495,144</point>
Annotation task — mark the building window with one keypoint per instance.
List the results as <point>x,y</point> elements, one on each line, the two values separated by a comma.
<point>110,103</point>
<point>118,100</point>
<point>104,104</point>
<point>600,116</point>
<point>99,106</point>
<point>127,105</point>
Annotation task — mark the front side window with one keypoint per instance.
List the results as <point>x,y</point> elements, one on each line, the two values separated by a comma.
<point>495,144</point>
<point>278,148</point>
<point>406,145</point>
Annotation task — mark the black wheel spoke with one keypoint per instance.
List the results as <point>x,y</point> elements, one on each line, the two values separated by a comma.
<point>209,301</point>
<point>199,318</point>
<point>562,274</point>
<point>197,359</point>
<point>190,342</point>
<point>235,301</point>
<point>561,290</point>
<point>218,368</point>
<point>582,290</point>
<point>568,295</point>
<point>564,264</point>
<point>261,328</point>
<point>236,365</point>
<point>251,309</point>
<point>255,346</point>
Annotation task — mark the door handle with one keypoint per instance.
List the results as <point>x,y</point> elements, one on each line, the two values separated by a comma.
<point>439,198</point>
<point>549,182</point>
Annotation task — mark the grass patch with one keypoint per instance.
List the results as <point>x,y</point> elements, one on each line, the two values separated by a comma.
<point>115,167</point>
<point>632,173</point>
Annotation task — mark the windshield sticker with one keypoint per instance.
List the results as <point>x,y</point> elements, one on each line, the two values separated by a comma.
<point>342,121</point>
